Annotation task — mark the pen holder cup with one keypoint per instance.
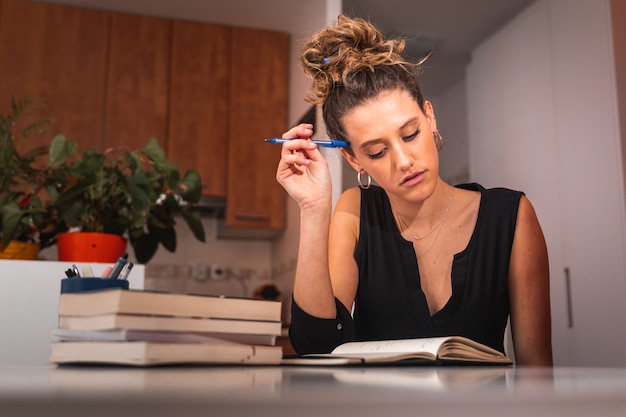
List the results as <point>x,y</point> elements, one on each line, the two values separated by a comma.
<point>69,285</point>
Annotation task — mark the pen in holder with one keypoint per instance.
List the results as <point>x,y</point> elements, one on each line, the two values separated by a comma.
<point>69,285</point>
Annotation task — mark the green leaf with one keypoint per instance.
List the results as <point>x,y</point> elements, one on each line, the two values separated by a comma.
<point>155,152</point>
<point>33,154</point>
<point>11,217</point>
<point>145,246</point>
<point>72,216</point>
<point>167,236</point>
<point>36,127</point>
<point>142,193</point>
<point>190,187</point>
<point>194,221</point>
<point>75,194</point>
<point>61,150</point>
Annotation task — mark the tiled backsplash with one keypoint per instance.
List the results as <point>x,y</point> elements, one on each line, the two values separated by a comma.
<point>205,279</point>
<point>221,280</point>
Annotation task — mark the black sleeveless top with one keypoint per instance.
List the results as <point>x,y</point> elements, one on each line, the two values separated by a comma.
<point>389,302</point>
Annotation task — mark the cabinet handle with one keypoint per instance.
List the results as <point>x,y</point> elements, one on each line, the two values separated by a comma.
<point>568,295</point>
<point>251,216</point>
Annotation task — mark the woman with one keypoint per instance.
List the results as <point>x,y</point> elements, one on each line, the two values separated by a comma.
<point>411,256</point>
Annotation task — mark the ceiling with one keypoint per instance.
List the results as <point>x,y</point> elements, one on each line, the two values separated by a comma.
<point>451,28</point>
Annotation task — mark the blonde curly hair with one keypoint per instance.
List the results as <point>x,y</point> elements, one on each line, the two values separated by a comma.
<point>352,62</point>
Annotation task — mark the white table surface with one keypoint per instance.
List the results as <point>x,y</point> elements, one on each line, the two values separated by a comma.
<point>308,391</point>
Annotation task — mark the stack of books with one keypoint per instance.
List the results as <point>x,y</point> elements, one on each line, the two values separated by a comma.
<point>138,327</point>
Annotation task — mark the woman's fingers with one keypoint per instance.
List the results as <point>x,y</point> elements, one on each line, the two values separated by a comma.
<point>292,161</point>
<point>301,131</point>
<point>299,152</point>
<point>302,169</point>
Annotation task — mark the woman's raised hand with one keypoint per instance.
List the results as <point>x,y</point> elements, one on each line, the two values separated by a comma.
<point>302,169</point>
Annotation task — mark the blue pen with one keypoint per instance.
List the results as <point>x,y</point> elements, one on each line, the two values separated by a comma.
<point>326,143</point>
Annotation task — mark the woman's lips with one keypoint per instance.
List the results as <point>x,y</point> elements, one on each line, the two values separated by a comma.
<point>413,179</point>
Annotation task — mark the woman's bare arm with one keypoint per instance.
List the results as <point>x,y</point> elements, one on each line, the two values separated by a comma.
<point>529,290</point>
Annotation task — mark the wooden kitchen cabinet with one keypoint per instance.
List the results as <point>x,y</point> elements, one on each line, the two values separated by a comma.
<point>199,102</point>
<point>58,54</point>
<point>138,79</point>
<point>228,91</point>
<point>258,109</point>
<point>208,93</point>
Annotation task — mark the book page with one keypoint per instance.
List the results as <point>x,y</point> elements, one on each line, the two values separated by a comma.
<point>427,345</point>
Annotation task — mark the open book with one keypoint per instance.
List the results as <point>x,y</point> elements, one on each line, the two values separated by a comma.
<point>427,351</point>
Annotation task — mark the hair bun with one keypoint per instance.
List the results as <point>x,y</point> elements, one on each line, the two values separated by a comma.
<point>333,55</point>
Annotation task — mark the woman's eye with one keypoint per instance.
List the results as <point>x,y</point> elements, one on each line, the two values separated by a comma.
<point>411,136</point>
<point>377,155</point>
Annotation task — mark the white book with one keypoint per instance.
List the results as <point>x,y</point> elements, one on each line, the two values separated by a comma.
<point>156,322</point>
<point>130,335</point>
<point>144,353</point>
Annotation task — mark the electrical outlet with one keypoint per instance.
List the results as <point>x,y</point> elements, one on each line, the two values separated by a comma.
<point>202,272</point>
<point>218,272</point>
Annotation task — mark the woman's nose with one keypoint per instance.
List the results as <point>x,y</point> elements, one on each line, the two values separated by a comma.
<point>404,160</point>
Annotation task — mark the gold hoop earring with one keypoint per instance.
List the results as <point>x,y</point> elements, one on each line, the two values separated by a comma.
<point>438,140</point>
<point>366,185</point>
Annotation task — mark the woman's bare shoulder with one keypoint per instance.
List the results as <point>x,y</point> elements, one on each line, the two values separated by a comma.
<point>350,201</point>
<point>346,214</point>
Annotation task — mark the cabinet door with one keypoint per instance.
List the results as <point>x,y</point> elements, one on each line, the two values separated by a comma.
<point>58,54</point>
<point>137,85</point>
<point>199,99</point>
<point>258,109</point>
<point>591,176</point>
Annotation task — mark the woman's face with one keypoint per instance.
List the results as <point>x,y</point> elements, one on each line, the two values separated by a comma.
<point>392,140</point>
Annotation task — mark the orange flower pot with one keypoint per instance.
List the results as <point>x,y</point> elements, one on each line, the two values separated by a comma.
<point>19,250</point>
<point>90,247</point>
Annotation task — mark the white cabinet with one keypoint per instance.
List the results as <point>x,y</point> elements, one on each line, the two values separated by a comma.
<point>543,119</point>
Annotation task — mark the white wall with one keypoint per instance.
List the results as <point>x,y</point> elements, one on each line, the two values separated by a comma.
<point>543,119</point>
<point>451,113</point>
<point>29,304</point>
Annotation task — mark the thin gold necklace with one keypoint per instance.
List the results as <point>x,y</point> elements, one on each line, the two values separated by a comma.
<point>437,226</point>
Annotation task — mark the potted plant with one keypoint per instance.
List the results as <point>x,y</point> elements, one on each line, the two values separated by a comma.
<point>27,215</point>
<point>131,194</point>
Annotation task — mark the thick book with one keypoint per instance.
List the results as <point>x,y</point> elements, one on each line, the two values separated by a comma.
<point>133,335</point>
<point>261,381</point>
<point>172,323</point>
<point>111,301</point>
<point>428,351</point>
<point>145,353</point>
